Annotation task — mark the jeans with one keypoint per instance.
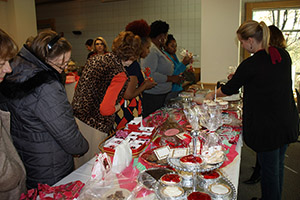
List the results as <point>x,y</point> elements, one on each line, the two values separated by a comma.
<point>272,167</point>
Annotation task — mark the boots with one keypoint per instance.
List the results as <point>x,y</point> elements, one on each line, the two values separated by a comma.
<point>255,177</point>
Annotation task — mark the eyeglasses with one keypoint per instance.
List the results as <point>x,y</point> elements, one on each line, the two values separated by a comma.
<point>99,44</point>
<point>61,66</point>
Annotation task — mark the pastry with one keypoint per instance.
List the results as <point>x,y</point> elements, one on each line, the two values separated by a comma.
<point>153,159</point>
<point>170,179</point>
<point>118,195</point>
<point>198,196</point>
<point>210,175</point>
<point>219,189</point>
<point>172,191</point>
<point>190,160</point>
<point>158,173</point>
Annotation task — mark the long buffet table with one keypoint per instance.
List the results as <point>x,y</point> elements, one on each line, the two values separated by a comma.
<point>83,173</point>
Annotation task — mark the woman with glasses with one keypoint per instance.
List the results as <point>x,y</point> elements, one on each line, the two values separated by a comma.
<point>12,171</point>
<point>42,127</point>
<point>99,47</point>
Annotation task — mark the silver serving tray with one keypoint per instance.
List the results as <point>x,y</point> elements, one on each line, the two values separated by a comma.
<point>223,180</point>
<point>175,163</point>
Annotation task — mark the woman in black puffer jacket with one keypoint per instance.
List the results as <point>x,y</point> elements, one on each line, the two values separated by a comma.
<point>43,128</point>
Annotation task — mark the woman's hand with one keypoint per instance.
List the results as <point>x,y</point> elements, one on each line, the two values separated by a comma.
<point>149,84</point>
<point>187,59</point>
<point>117,107</point>
<point>230,76</point>
<point>175,79</point>
<point>210,96</point>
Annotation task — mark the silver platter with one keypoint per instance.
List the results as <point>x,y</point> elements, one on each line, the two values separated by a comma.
<point>175,163</point>
<point>232,195</point>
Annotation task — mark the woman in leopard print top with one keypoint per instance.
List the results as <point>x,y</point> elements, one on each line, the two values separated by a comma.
<point>103,83</point>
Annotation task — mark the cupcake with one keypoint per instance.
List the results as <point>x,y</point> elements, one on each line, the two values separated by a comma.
<point>219,190</point>
<point>199,196</point>
<point>210,175</point>
<point>170,179</point>
<point>207,178</point>
<point>172,191</point>
<point>190,161</point>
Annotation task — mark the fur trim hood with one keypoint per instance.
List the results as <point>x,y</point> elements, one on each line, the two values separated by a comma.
<point>28,72</point>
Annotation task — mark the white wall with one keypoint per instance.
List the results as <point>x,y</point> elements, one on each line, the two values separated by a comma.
<point>18,19</point>
<point>219,48</point>
<point>95,19</point>
<point>204,27</point>
<point>3,15</point>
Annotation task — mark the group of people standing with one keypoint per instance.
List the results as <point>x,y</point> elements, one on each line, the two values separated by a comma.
<point>43,137</point>
<point>139,95</point>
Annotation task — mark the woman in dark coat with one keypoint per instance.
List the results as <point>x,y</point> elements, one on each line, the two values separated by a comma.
<point>43,128</point>
<point>270,117</point>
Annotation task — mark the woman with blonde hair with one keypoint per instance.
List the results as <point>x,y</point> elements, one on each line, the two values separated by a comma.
<point>276,40</point>
<point>99,47</point>
<point>12,170</point>
<point>270,116</point>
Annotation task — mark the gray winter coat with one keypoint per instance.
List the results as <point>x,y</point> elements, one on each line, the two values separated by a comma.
<point>43,128</point>
<point>12,171</point>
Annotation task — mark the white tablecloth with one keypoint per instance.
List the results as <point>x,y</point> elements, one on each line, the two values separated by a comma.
<point>84,172</point>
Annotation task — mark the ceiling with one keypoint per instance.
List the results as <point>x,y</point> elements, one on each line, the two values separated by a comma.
<point>42,2</point>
